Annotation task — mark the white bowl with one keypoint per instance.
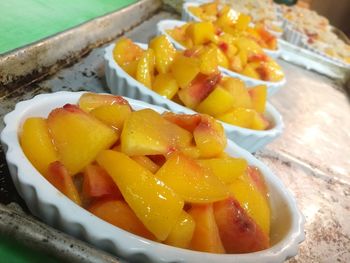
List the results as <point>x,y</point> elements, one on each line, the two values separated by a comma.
<point>53,207</point>
<point>273,87</point>
<point>121,83</point>
<point>186,15</point>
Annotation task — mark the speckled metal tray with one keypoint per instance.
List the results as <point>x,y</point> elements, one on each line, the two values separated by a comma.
<point>311,157</point>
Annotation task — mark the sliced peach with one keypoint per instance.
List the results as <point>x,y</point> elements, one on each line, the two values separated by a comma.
<point>37,145</point>
<point>125,51</point>
<point>218,102</point>
<point>145,132</point>
<point>193,183</point>
<point>146,162</point>
<point>242,22</point>
<point>258,95</point>
<point>155,204</point>
<point>210,137</point>
<point>186,121</point>
<point>119,214</point>
<point>145,68</point>
<point>89,101</point>
<point>165,85</point>
<point>220,56</point>
<point>164,53</point>
<point>201,32</point>
<point>97,183</point>
<point>238,232</point>
<point>59,177</point>
<point>259,122</point>
<point>209,61</point>
<point>241,117</point>
<point>239,92</point>
<point>226,169</point>
<point>199,89</point>
<point>78,137</point>
<point>258,180</point>
<point>206,237</point>
<point>181,234</point>
<point>185,69</point>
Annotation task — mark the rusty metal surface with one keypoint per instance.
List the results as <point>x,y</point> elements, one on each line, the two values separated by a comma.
<point>311,157</point>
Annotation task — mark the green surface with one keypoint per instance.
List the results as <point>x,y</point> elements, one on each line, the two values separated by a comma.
<point>26,21</point>
<point>13,252</point>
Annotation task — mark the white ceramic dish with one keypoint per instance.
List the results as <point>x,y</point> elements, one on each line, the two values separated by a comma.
<point>121,83</point>
<point>273,87</point>
<point>53,207</point>
<point>186,15</point>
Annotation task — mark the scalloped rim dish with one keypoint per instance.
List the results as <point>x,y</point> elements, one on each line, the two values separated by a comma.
<point>50,205</point>
<point>273,87</point>
<point>121,83</point>
<point>188,16</point>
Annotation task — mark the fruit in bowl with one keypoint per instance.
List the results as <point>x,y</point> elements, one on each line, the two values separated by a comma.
<point>164,177</point>
<point>191,78</point>
<point>236,51</point>
<point>229,21</point>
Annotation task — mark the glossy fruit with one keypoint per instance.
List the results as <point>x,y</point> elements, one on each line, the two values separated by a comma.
<point>78,137</point>
<point>201,32</point>
<point>36,144</point>
<point>164,53</point>
<point>165,85</point>
<point>193,183</point>
<point>89,101</point>
<point>155,204</point>
<point>238,91</point>
<point>241,117</point>
<point>258,96</point>
<point>146,162</point>
<point>185,69</point>
<point>145,68</point>
<point>186,121</point>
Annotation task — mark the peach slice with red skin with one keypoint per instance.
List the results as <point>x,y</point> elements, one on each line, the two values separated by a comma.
<point>258,96</point>
<point>206,237</point>
<point>78,136</point>
<point>89,101</point>
<point>187,121</point>
<point>238,232</point>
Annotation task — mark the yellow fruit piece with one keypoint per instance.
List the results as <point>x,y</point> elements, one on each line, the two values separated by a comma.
<point>185,69</point>
<point>209,61</point>
<point>258,95</point>
<point>201,32</point>
<point>242,54</point>
<point>226,169</point>
<point>227,18</point>
<point>145,68</point>
<point>210,9</point>
<point>196,10</point>
<point>154,203</point>
<point>146,162</point>
<point>249,46</point>
<point>125,51</point>
<point>210,137</point>
<point>89,101</point>
<point>181,234</point>
<point>221,57</point>
<point>250,71</point>
<point>242,22</point>
<point>190,181</point>
<point>78,137</point>
<point>146,132</point>
<point>165,85</point>
<point>37,144</point>
<point>218,102</point>
<point>112,115</point>
<point>275,71</point>
<point>239,92</point>
<point>252,201</point>
<point>164,53</point>
<point>235,64</point>
<point>259,122</point>
<point>130,67</point>
<point>241,117</point>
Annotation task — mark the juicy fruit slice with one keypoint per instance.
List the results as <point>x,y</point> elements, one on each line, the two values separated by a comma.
<point>147,133</point>
<point>226,169</point>
<point>209,61</point>
<point>199,89</point>
<point>201,33</point>
<point>218,102</point>
<point>258,180</point>
<point>206,237</point>
<point>165,85</point>
<point>258,95</point>
<point>146,162</point>
<point>145,68</point>
<point>239,92</point>
<point>187,121</point>
<point>164,53</point>
<point>112,115</point>
<point>58,176</point>
<point>210,137</point>
<point>193,183</point>
<point>252,201</point>
<point>97,183</point>
<point>118,213</point>
<point>155,204</point>
<point>241,117</point>
<point>78,137</point>
<point>37,144</point>
<point>185,69</point>
<point>259,122</point>
<point>125,51</point>
<point>181,234</point>
<point>89,101</point>
<point>238,232</point>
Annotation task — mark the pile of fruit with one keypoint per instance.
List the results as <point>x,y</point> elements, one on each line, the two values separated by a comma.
<point>164,177</point>
<point>229,21</point>
<point>191,78</point>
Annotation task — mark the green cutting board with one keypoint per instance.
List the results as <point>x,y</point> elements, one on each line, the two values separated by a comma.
<point>23,22</point>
